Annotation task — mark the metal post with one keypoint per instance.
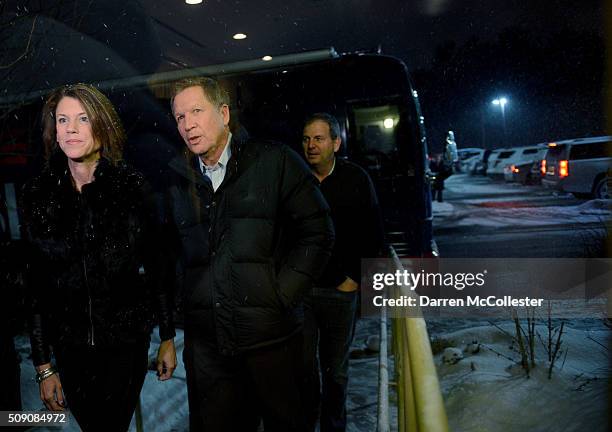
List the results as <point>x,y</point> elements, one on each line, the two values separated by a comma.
<point>383,376</point>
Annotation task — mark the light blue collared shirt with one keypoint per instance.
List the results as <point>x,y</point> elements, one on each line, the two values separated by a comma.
<point>216,172</point>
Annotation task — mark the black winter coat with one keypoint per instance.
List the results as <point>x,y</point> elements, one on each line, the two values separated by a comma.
<point>251,249</point>
<point>85,253</point>
<point>358,221</point>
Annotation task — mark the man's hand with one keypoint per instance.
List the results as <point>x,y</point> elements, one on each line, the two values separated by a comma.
<point>50,389</point>
<point>349,285</point>
<point>166,360</point>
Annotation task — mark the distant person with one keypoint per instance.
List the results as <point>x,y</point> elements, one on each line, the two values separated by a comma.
<point>442,169</point>
<point>254,232</point>
<point>451,155</point>
<point>89,224</point>
<point>330,307</point>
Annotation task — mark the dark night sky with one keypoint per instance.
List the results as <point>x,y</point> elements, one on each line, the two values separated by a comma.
<point>454,48</point>
<point>410,30</point>
<point>198,35</point>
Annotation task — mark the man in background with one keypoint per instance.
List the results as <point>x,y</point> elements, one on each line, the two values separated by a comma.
<point>330,308</point>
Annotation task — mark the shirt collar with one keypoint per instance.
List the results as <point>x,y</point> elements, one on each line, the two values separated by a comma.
<point>222,162</point>
<point>332,168</point>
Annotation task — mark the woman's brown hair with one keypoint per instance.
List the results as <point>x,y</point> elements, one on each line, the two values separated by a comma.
<point>105,123</point>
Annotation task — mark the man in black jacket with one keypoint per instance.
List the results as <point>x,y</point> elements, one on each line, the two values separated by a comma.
<point>254,233</point>
<point>330,308</point>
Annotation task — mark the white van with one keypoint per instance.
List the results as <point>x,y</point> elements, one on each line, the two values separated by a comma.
<point>468,157</point>
<point>495,168</point>
<point>487,158</point>
<point>581,166</point>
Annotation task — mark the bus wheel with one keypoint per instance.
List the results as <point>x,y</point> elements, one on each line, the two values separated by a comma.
<point>602,190</point>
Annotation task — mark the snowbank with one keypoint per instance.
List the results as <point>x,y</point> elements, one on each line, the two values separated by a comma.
<point>594,211</point>
<point>488,392</point>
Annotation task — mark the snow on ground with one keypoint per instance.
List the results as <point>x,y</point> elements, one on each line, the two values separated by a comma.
<point>488,392</point>
<point>487,204</point>
<point>479,186</point>
<point>499,217</point>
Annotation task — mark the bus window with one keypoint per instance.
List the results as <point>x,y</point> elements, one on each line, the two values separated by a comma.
<point>374,137</point>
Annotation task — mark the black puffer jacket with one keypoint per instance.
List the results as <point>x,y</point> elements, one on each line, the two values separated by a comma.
<point>85,253</point>
<point>252,248</point>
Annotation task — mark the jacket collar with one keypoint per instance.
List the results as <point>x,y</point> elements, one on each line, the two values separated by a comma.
<point>186,164</point>
<point>57,167</point>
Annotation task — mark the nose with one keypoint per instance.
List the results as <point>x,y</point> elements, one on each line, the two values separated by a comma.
<point>73,126</point>
<point>189,122</point>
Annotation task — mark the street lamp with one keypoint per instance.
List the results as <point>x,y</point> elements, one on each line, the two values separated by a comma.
<point>502,101</point>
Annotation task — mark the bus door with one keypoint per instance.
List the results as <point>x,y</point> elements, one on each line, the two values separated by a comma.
<point>379,140</point>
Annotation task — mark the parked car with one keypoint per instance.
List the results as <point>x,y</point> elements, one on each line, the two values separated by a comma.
<point>480,167</point>
<point>495,168</point>
<point>468,157</point>
<point>519,166</point>
<point>581,166</point>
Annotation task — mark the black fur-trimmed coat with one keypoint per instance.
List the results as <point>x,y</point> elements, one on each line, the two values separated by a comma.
<point>85,251</point>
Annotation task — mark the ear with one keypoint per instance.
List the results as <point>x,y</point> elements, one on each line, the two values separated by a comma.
<point>337,143</point>
<point>225,112</point>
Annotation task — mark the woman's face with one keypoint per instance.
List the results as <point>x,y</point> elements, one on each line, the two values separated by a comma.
<point>73,131</point>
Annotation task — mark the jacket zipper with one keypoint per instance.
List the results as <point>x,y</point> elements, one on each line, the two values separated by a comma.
<point>90,332</point>
<point>90,336</point>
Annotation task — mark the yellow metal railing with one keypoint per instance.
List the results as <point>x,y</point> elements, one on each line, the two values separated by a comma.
<point>419,399</point>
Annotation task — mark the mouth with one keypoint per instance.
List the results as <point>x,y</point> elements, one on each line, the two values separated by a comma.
<point>73,141</point>
<point>193,139</point>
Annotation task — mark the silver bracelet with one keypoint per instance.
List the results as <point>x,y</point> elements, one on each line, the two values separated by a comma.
<point>44,374</point>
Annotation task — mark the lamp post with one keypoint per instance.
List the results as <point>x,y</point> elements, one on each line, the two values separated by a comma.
<point>502,101</point>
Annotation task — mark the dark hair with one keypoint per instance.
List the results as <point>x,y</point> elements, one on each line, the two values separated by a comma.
<point>212,90</point>
<point>334,126</point>
<point>105,123</point>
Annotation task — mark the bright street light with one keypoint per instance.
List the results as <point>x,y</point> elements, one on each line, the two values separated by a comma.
<point>502,101</point>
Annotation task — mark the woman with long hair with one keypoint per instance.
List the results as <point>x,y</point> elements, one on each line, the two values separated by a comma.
<point>90,224</point>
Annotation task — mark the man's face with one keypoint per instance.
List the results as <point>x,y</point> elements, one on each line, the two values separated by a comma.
<point>201,124</point>
<point>318,145</point>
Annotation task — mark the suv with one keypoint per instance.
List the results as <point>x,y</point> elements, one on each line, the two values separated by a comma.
<point>581,166</point>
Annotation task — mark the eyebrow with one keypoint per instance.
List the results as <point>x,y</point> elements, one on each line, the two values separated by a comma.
<point>66,115</point>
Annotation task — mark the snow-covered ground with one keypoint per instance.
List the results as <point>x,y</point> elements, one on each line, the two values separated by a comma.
<point>447,214</point>
<point>498,205</point>
<point>487,391</point>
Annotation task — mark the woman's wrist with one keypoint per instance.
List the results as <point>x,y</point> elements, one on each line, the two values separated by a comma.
<point>42,367</point>
<point>43,372</point>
